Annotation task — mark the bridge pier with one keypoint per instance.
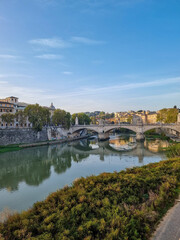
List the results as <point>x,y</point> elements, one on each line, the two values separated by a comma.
<point>103,136</point>
<point>140,136</point>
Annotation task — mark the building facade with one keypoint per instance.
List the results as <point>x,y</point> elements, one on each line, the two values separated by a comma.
<point>13,106</point>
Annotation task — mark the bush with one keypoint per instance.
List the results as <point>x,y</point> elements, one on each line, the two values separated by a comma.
<point>125,205</point>
<point>173,150</point>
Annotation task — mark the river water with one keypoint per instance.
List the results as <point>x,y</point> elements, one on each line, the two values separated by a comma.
<point>29,175</point>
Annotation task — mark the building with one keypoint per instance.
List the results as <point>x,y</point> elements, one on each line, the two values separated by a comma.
<point>13,106</point>
<point>8,105</point>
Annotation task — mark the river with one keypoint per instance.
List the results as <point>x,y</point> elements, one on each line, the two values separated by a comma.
<point>31,174</point>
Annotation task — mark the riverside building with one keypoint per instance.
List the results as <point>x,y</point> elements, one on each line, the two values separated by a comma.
<point>12,105</point>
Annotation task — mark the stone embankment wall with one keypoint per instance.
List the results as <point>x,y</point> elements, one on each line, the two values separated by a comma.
<point>26,135</point>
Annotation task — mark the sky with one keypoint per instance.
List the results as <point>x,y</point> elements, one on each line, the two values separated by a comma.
<point>88,55</point>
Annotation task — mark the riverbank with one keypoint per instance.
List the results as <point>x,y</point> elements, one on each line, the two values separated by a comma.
<point>9,148</point>
<point>124,205</point>
<point>17,147</point>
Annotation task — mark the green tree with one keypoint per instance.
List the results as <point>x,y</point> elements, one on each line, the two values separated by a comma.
<point>8,118</point>
<point>82,118</point>
<point>21,117</point>
<point>61,117</point>
<point>102,115</point>
<point>93,120</point>
<point>167,115</point>
<point>38,116</point>
<point>129,119</point>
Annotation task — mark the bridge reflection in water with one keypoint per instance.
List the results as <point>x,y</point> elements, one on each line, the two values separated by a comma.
<point>31,174</point>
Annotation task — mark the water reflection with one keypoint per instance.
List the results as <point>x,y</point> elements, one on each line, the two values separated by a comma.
<point>33,165</point>
<point>31,174</point>
<point>156,145</point>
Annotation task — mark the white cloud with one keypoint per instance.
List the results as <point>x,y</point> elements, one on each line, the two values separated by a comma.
<point>87,41</point>
<point>50,56</point>
<point>3,82</point>
<point>79,100</point>
<point>122,87</point>
<point>15,75</point>
<point>7,56</point>
<point>67,73</point>
<point>50,42</point>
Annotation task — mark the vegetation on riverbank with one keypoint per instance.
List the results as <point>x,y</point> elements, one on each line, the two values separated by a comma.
<point>151,134</point>
<point>173,150</point>
<point>9,148</point>
<point>125,205</point>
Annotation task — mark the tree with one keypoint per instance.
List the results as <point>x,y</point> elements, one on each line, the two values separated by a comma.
<point>8,118</point>
<point>38,116</point>
<point>93,120</point>
<point>21,117</point>
<point>167,115</point>
<point>102,115</point>
<point>61,117</point>
<point>129,119</point>
<point>82,117</point>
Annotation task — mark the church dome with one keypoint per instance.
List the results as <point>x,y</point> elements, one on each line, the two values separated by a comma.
<point>52,107</point>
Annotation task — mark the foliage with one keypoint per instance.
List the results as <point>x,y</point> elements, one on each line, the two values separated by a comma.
<point>21,116</point>
<point>61,117</point>
<point>102,115</point>
<point>153,134</point>
<point>9,148</point>
<point>173,150</point>
<point>7,117</point>
<point>93,120</point>
<point>38,116</point>
<point>125,205</point>
<point>82,118</point>
<point>129,119</point>
<point>109,115</point>
<point>167,115</point>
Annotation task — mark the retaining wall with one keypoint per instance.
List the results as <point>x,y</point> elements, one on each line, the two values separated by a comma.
<point>25,135</point>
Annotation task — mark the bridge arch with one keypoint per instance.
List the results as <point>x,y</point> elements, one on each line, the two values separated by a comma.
<point>151,127</point>
<point>131,128</point>
<point>75,130</point>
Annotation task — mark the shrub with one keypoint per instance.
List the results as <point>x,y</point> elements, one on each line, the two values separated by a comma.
<point>125,205</point>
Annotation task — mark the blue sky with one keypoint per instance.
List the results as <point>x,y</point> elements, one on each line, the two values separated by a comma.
<point>87,55</point>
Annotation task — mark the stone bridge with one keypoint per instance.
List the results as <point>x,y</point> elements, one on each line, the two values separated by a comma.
<point>103,129</point>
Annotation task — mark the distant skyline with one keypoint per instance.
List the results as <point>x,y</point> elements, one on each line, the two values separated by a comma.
<point>88,55</point>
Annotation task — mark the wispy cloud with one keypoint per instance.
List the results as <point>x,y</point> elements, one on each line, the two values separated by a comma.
<point>14,75</point>
<point>67,73</point>
<point>50,56</point>
<point>50,42</point>
<point>79,97</point>
<point>3,82</point>
<point>87,41</point>
<point>60,43</point>
<point>121,87</point>
<point>8,57</point>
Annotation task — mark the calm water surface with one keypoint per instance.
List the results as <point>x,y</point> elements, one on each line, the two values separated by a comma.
<point>29,175</point>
